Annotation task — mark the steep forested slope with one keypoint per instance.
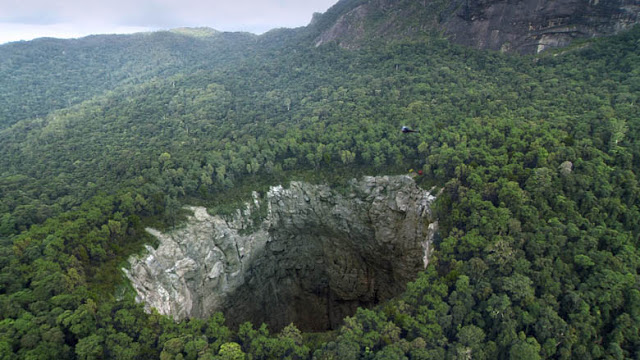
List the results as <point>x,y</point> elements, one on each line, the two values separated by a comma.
<point>48,74</point>
<point>537,158</point>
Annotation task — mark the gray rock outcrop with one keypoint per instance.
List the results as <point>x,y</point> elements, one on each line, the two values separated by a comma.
<point>313,258</point>
<point>522,26</point>
<point>531,26</point>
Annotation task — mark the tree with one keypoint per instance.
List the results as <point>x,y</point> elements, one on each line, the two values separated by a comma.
<point>525,348</point>
<point>90,347</point>
<point>231,351</point>
<point>618,130</point>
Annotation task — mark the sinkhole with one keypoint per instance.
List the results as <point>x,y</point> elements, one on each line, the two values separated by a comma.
<point>312,256</point>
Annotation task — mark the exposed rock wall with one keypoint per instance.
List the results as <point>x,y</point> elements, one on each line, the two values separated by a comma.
<point>523,26</point>
<point>316,257</point>
<point>531,26</point>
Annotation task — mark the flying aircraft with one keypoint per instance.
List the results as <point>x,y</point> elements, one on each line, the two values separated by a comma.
<point>407,130</point>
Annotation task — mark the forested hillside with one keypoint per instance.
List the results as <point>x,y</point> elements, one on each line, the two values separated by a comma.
<point>537,158</point>
<point>47,74</point>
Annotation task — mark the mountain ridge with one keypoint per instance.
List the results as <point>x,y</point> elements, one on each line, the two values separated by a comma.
<point>46,74</point>
<point>30,71</point>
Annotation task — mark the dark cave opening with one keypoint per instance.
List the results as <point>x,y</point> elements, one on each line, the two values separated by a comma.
<point>314,259</point>
<point>321,278</point>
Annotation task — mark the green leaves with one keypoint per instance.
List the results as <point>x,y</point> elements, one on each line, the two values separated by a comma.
<point>537,158</point>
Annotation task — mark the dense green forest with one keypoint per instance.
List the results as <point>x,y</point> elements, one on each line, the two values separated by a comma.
<point>49,74</point>
<point>536,156</point>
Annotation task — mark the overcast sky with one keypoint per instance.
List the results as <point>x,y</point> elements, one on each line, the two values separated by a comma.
<point>29,19</point>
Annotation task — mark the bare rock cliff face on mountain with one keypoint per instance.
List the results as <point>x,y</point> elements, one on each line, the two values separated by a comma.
<point>522,26</point>
<point>532,26</point>
<point>315,257</point>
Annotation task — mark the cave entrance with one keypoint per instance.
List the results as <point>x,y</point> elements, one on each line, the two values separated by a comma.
<point>316,278</point>
<point>313,259</point>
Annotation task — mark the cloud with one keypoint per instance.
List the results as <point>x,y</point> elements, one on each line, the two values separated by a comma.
<point>17,32</point>
<point>80,16</point>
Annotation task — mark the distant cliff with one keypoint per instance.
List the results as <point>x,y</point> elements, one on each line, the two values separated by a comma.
<point>522,26</point>
<point>316,256</point>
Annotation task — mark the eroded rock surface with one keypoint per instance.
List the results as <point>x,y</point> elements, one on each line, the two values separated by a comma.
<point>522,26</point>
<point>315,257</point>
<point>531,26</point>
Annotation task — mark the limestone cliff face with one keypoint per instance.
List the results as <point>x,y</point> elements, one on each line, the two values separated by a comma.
<point>317,255</point>
<point>523,26</point>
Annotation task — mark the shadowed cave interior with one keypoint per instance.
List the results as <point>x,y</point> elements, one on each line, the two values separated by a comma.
<point>317,278</point>
<point>312,259</point>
